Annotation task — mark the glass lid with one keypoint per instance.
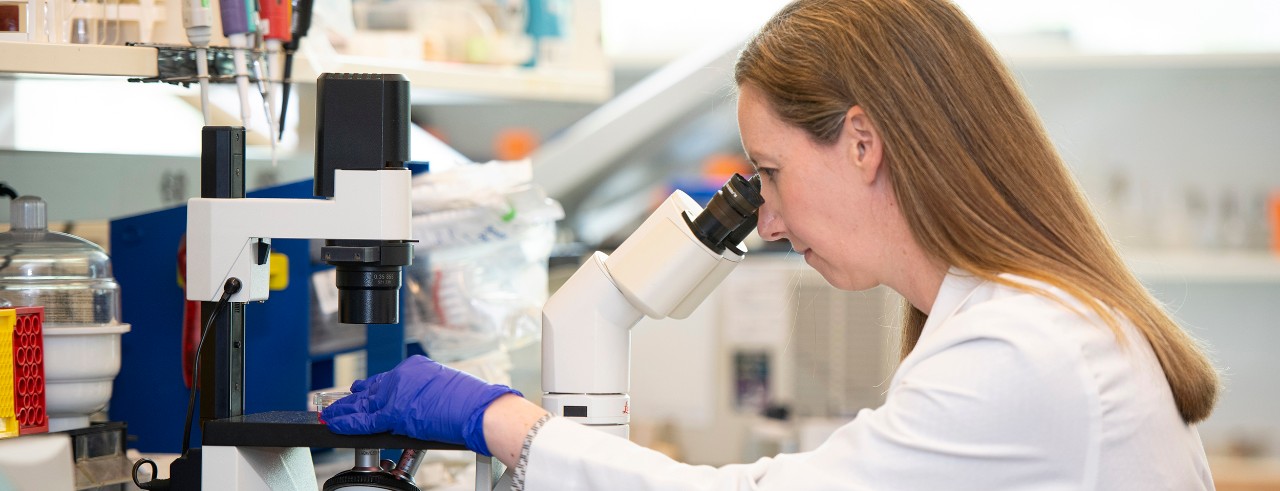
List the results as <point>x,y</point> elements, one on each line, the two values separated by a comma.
<point>69,276</point>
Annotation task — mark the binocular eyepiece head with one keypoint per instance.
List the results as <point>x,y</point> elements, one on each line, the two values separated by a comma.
<point>731,214</point>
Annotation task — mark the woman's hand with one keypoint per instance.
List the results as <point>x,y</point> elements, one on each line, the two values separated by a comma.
<point>418,398</point>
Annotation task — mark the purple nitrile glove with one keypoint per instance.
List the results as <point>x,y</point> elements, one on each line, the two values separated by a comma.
<point>418,398</point>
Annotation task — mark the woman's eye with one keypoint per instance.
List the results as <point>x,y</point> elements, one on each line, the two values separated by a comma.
<point>767,173</point>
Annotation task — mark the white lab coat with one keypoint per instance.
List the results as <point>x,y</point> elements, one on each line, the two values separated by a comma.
<point>1004,391</point>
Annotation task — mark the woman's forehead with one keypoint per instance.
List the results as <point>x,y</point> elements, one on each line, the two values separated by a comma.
<point>762,132</point>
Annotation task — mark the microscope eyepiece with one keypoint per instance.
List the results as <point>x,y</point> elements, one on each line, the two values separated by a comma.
<point>749,225</point>
<point>731,214</point>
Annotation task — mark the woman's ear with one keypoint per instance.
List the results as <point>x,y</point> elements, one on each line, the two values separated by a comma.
<point>864,144</point>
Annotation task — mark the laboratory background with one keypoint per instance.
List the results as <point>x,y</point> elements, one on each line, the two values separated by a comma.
<point>539,132</point>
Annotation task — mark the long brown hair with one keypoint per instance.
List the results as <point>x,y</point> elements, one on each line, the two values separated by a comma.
<point>978,181</point>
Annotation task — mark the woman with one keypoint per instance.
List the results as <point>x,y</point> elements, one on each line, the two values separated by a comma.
<point>894,148</point>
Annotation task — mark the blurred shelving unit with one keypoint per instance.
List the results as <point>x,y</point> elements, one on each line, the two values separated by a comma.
<point>68,106</point>
<point>1205,266</point>
<point>1196,71</point>
<point>1072,60</point>
<point>550,84</point>
<point>583,77</point>
<point>474,80</point>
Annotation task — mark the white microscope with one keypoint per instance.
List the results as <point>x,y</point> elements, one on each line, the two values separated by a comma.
<point>666,268</point>
<point>364,215</point>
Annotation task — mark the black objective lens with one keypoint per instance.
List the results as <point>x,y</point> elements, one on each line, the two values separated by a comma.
<point>369,277</point>
<point>368,294</point>
<point>731,214</point>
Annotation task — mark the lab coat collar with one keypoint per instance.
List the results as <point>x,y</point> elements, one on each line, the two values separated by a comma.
<point>957,287</point>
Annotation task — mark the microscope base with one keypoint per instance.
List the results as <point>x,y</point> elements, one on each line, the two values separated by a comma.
<point>271,451</point>
<point>610,413</point>
<point>301,429</point>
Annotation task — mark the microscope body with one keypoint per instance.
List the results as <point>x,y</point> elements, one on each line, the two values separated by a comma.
<point>666,268</point>
<point>362,143</point>
<point>364,215</point>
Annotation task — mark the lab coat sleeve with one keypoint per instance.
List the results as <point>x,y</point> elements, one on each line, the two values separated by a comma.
<point>990,408</point>
<point>568,456</point>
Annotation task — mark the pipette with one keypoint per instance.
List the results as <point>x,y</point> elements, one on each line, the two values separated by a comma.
<point>276,15</point>
<point>264,86</point>
<point>274,26</point>
<point>197,18</point>
<point>301,23</point>
<point>239,21</point>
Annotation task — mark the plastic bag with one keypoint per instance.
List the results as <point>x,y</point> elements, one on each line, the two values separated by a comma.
<point>479,277</point>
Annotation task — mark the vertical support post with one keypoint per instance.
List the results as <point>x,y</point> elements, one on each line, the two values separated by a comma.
<point>384,346</point>
<point>484,473</point>
<point>222,357</point>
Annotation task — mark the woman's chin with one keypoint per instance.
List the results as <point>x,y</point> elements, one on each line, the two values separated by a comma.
<point>853,283</point>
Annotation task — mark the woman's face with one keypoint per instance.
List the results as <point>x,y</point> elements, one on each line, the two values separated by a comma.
<point>817,196</point>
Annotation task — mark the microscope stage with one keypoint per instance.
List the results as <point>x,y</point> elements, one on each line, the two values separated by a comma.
<point>301,429</point>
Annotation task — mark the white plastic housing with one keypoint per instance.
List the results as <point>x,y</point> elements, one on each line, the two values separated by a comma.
<point>222,233</point>
<point>728,261</point>
<point>586,334</point>
<point>662,261</point>
<point>601,409</point>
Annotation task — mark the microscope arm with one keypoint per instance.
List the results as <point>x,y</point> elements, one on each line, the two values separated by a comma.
<point>222,233</point>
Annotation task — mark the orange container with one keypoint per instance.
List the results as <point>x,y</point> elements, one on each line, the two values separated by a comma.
<point>1273,211</point>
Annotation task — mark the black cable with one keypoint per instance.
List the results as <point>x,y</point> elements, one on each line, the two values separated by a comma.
<point>231,287</point>
<point>8,191</point>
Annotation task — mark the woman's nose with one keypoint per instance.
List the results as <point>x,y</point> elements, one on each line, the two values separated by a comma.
<point>770,225</point>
